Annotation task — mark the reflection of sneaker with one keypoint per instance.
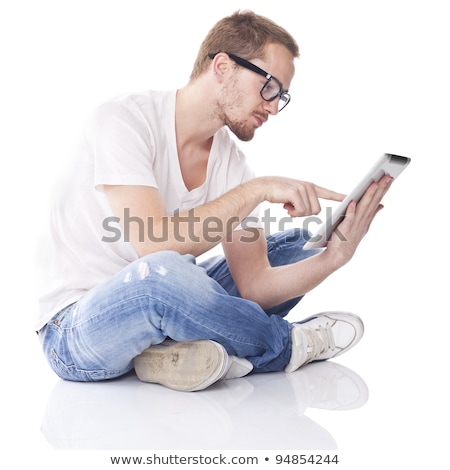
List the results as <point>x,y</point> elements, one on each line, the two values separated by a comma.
<point>323,336</point>
<point>188,366</point>
<point>329,386</point>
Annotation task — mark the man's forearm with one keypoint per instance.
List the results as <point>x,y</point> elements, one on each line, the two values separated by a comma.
<point>199,229</point>
<point>274,285</point>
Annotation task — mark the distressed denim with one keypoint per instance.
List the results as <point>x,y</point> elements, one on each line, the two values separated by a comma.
<point>168,295</point>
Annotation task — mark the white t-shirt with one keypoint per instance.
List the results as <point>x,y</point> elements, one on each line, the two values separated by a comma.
<point>128,141</point>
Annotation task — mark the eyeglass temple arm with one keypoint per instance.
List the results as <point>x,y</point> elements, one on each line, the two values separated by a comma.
<point>244,63</point>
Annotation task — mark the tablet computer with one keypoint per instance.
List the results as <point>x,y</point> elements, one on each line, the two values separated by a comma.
<point>388,164</point>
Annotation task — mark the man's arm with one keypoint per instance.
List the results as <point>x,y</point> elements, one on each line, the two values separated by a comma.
<point>256,280</point>
<point>149,228</point>
<point>268,286</point>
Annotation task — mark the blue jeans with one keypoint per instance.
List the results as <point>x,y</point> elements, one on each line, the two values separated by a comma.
<point>167,295</point>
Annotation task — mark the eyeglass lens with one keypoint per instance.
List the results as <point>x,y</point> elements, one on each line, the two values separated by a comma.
<point>271,90</point>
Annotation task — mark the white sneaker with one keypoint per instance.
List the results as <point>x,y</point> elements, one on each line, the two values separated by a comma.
<point>323,336</point>
<point>188,366</point>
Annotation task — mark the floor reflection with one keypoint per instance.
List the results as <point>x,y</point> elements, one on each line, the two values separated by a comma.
<point>261,411</point>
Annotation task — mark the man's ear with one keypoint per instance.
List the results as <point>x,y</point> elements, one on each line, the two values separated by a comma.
<point>222,65</point>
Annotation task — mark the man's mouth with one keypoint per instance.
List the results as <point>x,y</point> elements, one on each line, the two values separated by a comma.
<point>260,120</point>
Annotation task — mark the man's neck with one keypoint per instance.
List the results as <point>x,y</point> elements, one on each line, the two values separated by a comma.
<point>195,126</point>
<point>195,120</point>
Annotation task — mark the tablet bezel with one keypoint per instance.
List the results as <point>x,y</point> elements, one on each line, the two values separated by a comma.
<point>388,164</point>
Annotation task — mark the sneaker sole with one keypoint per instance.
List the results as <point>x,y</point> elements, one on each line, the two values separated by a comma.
<point>185,366</point>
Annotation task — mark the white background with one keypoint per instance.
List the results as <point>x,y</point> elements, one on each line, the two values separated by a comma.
<point>373,77</point>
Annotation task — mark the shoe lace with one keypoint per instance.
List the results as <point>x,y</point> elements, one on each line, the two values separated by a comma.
<point>320,340</point>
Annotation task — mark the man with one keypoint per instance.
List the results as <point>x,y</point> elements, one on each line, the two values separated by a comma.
<point>158,182</point>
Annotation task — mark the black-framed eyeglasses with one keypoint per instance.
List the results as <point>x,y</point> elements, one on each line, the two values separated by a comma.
<point>271,90</point>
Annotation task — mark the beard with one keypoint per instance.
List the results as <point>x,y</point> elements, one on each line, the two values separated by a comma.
<point>242,130</point>
<point>230,110</point>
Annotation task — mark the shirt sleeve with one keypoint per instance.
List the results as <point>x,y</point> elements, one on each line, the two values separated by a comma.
<point>253,220</point>
<point>121,146</point>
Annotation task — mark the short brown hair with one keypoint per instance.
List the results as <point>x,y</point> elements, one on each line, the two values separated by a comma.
<point>245,34</point>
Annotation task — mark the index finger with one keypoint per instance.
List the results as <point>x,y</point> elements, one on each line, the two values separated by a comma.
<point>325,193</point>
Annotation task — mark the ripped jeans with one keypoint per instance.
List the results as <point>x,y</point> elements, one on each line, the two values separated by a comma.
<point>167,295</point>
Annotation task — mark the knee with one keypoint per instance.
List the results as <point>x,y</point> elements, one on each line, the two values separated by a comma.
<point>297,238</point>
<point>164,262</point>
<point>292,236</point>
<point>174,271</point>
<point>167,258</point>
<point>287,247</point>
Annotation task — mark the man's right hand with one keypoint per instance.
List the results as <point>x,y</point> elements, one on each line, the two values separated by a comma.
<point>299,198</point>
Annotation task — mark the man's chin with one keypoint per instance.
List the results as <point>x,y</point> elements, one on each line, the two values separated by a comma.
<point>243,135</point>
